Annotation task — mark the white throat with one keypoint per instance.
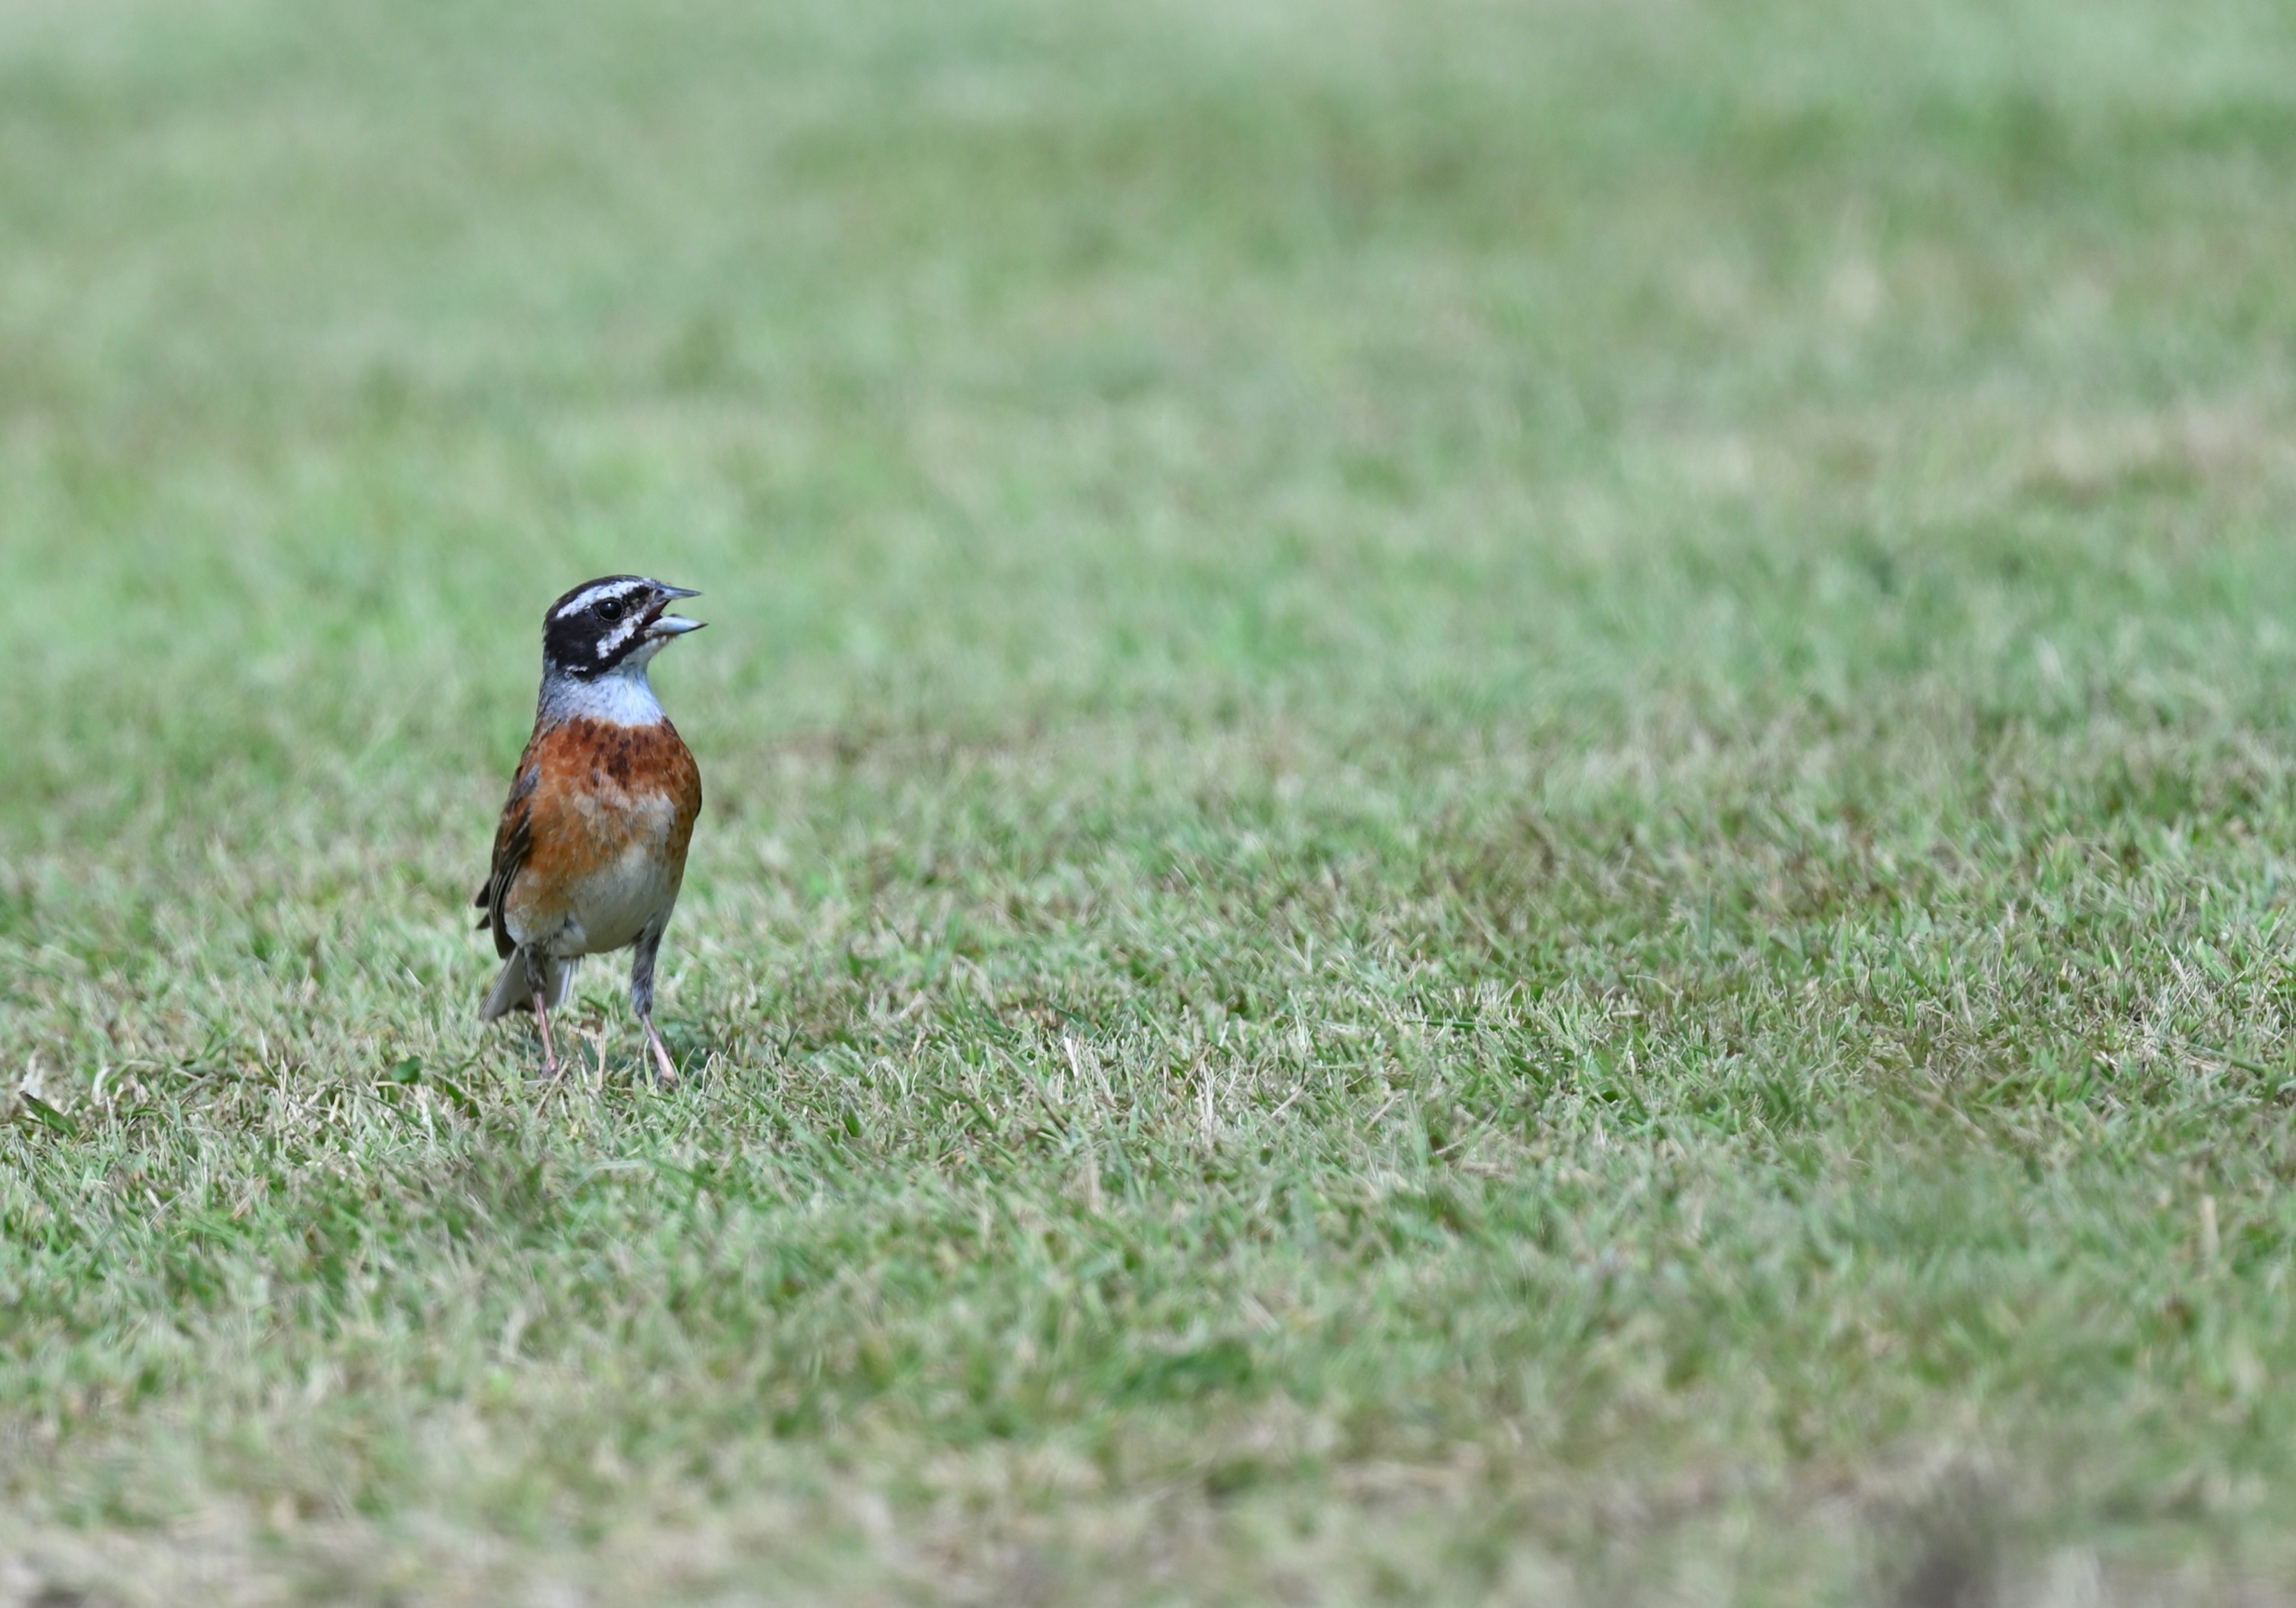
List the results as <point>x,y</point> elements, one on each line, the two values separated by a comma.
<point>622,697</point>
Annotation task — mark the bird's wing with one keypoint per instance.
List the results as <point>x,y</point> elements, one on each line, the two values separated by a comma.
<point>513,839</point>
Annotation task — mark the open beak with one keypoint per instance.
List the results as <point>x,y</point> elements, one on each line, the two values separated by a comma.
<point>672,625</point>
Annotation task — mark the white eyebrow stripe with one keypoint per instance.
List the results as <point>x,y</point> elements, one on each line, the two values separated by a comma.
<point>589,594</point>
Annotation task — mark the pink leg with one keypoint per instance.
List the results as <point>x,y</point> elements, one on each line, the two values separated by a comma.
<point>542,1020</point>
<point>537,984</point>
<point>661,1055</point>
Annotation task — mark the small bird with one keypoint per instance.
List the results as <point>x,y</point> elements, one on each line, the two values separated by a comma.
<point>591,844</point>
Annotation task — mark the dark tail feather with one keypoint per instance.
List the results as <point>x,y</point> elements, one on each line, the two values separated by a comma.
<point>510,991</point>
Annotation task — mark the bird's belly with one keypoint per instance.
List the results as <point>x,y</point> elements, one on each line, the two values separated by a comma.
<point>611,906</point>
<point>607,871</point>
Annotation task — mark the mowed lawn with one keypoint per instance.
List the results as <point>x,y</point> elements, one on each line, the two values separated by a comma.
<point>1502,801</point>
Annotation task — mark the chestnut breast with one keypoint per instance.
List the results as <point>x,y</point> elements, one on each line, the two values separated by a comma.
<point>610,816</point>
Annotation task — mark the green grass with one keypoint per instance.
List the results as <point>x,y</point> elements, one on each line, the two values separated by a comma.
<point>1500,801</point>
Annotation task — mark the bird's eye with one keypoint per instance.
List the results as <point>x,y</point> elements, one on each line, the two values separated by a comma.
<point>610,610</point>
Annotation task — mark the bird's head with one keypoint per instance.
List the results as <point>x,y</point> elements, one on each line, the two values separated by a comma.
<point>616,623</point>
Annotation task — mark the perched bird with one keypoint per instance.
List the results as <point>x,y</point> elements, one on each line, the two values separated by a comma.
<point>592,845</point>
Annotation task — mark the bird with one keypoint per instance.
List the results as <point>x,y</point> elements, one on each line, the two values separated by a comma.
<point>590,848</point>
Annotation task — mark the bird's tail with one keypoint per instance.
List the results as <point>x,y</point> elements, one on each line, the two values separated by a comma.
<point>511,992</point>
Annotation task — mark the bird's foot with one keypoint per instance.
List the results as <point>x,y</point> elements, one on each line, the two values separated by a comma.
<point>549,1055</point>
<point>668,1068</point>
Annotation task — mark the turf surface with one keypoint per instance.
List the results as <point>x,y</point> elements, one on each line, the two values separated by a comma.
<point>1500,801</point>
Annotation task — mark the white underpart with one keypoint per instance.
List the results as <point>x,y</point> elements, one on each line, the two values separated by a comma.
<point>621,696</point>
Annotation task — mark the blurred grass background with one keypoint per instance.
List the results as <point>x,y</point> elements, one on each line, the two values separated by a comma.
<point>1499,800</point>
